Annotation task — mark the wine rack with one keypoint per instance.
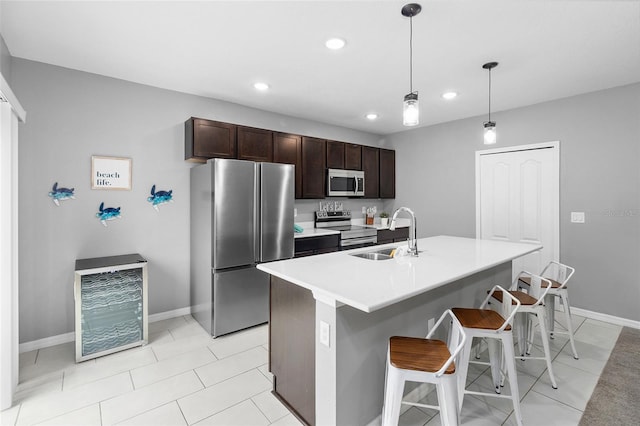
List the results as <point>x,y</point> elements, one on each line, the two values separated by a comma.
<point>111,305</point>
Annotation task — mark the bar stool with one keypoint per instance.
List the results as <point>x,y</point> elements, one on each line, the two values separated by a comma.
<point>428,361</point>
<point>531,305</point>
<point>559,275</point>
<point>489,324</point>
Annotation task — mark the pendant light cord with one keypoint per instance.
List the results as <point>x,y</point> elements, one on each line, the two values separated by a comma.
<point>489,94</point>
<point>411,54</point>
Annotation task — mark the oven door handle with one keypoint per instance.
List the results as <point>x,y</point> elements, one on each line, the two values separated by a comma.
<point>358,241</point>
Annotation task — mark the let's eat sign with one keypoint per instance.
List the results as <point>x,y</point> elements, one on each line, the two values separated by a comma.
<point>110,173</point>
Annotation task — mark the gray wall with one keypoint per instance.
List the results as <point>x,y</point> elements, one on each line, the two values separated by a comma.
<point>74,115</point>
<point>599,136</point>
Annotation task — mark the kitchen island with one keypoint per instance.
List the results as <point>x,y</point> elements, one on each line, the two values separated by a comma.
<point>332,314</point>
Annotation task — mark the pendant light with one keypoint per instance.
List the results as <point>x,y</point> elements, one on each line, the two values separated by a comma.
<point>489,126</point>
<point>411,108</point>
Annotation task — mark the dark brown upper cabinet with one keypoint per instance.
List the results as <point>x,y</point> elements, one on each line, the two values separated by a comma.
<point>288,149</point>
<point>314,165</point>
<point>371,167</point>
<point>255,144</point>
<point>352,156</point>
<point>335,155</point>
<point>206,139</point>
<point>387,173</point>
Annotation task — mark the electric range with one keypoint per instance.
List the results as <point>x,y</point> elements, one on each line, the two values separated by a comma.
<point>351,236</point>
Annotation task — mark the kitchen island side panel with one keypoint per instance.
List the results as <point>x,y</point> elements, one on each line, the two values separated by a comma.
<point>362,339</point>
<point>292,347</point>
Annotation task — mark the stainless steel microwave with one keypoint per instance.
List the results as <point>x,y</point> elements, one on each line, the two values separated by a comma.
<point>345,183</point>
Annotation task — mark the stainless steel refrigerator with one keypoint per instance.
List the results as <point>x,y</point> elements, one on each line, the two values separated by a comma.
<point>241,215</point>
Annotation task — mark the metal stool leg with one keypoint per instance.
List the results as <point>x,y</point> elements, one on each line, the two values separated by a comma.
<point>507,343</point>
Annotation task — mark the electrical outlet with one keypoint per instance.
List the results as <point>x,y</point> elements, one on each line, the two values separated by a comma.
<point>577,217</point>
<point>295,212</point>
<point>430,324</point>
<point>325,333</point>
<point>364,210</point>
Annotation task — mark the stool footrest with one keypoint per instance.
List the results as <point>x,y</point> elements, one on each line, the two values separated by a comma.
<point>493,394</point>
<point>417,404</point>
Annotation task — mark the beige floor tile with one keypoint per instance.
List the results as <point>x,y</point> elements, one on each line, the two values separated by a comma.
<point>575,386</point>
<point>165,415</point>
<point>592,359</point>
<point>538,410</point>
<point>48,406</point>
<point>270,406</point>
<point>598,333</point>
<point>226,368</point>
<point>166,324</point>
<point>109,366</point>
<point>43,384</point>
<point>27,358</point>
<point>264,369</point>
<point>221,396</point>
<point>242,414</point>
<point>10,415</point>
<point>87,416</point>
<point>159,337</point>
<point>484,383</point>
<point>168,367</point>
<point>475,413</point>
<point>288,420</point>
<point>178,347</point>
<point>188,329</point>
<point>413,417</point>
<point>131,404</point>
<point>234,343</point>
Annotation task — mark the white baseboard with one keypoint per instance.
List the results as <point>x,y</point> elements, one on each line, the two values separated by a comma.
<point>70,337</point>
<point>605,318</point>
<point>170,314</point>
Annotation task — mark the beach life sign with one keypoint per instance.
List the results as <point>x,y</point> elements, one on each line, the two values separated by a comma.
<point>110,173</point>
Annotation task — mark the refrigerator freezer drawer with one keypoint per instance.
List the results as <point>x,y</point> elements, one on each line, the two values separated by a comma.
<point>240,299</point>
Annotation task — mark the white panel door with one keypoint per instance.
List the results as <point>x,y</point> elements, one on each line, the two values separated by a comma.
<point>518,201</point>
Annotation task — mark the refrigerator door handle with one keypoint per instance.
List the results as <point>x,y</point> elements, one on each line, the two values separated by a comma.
<point>257,213</point>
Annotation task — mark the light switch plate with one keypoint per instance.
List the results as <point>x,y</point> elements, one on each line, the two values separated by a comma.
<point>577,217</point>
<point>325,332</point>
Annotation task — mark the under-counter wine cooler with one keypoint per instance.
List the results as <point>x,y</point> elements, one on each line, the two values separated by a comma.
<point>111,305</point>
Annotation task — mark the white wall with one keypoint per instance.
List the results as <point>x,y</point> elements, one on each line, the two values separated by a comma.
<point>599,136</point>
<point>74,115</point>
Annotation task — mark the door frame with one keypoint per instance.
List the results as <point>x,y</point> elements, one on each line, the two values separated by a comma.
<point>555,146</point>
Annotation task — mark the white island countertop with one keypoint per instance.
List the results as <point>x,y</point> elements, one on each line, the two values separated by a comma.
<point>369,285</point>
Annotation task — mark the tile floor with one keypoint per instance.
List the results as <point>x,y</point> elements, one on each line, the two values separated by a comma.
<point>183,377</point>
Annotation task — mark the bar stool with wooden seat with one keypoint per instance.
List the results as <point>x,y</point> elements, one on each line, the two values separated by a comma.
<point>428,361</point>
<point>559,274</point>
<point>531,306</point>
<point>487,323</point>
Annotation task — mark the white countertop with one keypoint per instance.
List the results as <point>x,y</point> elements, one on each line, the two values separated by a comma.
<point>314,232</point>
<point>310,231</point>
<point>369,285</point>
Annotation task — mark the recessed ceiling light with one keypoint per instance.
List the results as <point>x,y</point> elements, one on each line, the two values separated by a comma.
<point>261,86</point>
<point>335,43</point>
<point>449,95</point>
<point>372,116</point>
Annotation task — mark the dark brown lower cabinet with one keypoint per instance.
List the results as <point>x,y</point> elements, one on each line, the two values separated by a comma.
<point>387,236</point>
<point>292,358</point>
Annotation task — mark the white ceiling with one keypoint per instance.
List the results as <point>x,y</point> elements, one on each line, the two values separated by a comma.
<point>218,49</point>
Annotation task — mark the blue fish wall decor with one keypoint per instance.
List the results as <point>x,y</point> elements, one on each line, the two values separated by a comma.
<point>159,197</point>
<point>108,213</point>
<point>61,194</point>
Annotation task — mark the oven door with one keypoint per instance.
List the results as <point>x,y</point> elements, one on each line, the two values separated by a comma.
<point>360,242</point>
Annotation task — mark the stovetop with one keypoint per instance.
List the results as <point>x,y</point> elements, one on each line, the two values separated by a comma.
<point>341,221</point>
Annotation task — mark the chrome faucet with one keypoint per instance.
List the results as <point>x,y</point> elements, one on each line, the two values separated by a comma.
<point>413,240</point>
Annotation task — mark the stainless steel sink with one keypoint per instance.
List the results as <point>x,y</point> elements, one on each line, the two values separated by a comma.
<point>384,254</point>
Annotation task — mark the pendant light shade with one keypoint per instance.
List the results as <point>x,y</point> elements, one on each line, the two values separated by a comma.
<point>411,107</point>
<point>490,135</point>
<point>411,110</point>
